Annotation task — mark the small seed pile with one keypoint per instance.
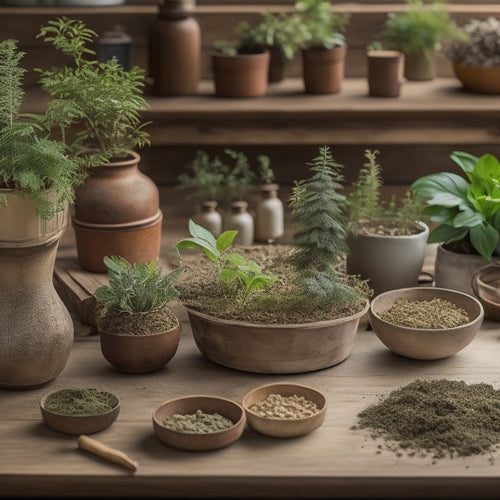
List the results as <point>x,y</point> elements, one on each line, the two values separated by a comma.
<point>80,402</point>
<point>276,406</point>
<point>433,314</point>
<point>197,423</point>
<point>441,418</point>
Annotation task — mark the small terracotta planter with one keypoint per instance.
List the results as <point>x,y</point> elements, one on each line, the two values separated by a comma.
<point>323,69</point>
<point>243,75</point>
<point>385,72</point>
<point>420,66</point>
<point>478,79</point>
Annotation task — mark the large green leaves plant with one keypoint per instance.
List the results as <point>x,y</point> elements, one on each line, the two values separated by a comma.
<point>465,208</point>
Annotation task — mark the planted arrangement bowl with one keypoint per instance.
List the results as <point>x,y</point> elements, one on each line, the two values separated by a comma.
<point>425,343</point>
<point>198,441</point>
<point>486,287</point>
<point>83,422</point>
<point>281,418</point>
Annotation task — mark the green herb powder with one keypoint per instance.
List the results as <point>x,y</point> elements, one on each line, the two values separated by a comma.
<point>197,423</point>
<point>78,402</point>
<point>276,406</point>
<point>443,418</point>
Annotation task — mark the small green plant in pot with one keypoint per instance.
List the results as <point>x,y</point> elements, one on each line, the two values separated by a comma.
<point>278,309</point>
<point>387,240</point>
<point>465,210</point>
<point>138,330</point>
<point>420,31</point>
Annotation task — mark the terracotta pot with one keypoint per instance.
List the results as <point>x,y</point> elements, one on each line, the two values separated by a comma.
<point>420,66</point>
<point>385,72</point>
<point>36,333</point>
<point>276,65</point>
<point>136,353</point>
<point>323,69</point>
<point>388,262</point>
<point>274,348</point>
<point>478,79</point>
<point>117,212</point>
<point>243,75</point>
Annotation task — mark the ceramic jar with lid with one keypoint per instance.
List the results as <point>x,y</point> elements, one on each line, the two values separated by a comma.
<point>238,218</point>
<point>269,215</point>
<point>208,217</point>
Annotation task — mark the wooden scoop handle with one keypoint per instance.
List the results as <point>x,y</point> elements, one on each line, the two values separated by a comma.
<point>88,444</point>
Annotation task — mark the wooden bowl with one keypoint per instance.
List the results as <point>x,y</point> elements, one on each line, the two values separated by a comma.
<point>197,441</point>
<point>79,424</point>
<point>486,286</point>
<point>425,343</point>
<point>284,427</point>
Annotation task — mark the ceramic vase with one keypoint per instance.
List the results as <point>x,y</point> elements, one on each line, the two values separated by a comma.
<point>385,72</point>
<point>117,212</point>
<point>36,332</point>
<point>208,217</point>
<point>323,70</point>
<point>238,218</point>
<point>269,215</point>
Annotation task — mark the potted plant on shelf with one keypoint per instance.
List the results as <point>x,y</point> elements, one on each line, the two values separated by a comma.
<point>385,70</point>
<point>96,108</point>
<point>324,49</point>
<point>476,57</point>
<point>467,214</point>
<point>387,241</point>
<point>37,181</point>
<point>281,33</point>
<point>138,331</point>
<point>280,308</point>
<point>420,31</point>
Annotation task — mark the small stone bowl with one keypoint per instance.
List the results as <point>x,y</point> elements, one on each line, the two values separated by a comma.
<point>425,343</point>
<point>187,405</point>
<point>486,287</point>
<point>80,424</point>
<point>284,427</point>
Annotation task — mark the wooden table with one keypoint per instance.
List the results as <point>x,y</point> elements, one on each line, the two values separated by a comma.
<point>331,462</point>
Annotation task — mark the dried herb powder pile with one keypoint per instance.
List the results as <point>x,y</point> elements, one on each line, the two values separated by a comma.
<point>433,314</point>
<point>442,418</point>
<point>197,423</point>
<point>277,406</point>
<point>78,402</point>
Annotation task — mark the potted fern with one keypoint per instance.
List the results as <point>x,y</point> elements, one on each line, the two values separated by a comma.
<point>138,331</point>
<point>37,181</point>
<point>387,241</point>
<point>96,108</point>
<point>279,308</point>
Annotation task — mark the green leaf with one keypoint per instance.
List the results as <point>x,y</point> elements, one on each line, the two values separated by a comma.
<point>442,188</point>
<point>466,161</point>
<point>484,238</point>
<point>199,232</point>
<point>445,233</point>
<point>199,245</point>
<point>225,240</point>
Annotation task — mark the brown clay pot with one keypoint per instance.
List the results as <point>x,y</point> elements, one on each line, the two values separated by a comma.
<point>385,72</point>
<point>323,69</point>
<point>134,353</point>
<point>117,212</point>
<point>478,79</point>
<point>243,75</point>
<point>420,66</point>
<point>276,65</point>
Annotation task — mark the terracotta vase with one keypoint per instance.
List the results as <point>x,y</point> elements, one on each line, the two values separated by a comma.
<point>139,353</point>
<point>243,75</point>
<point>323,69</point>
<point>385,72</point>
<point>272,348</point>
<point>117,212</point>
<point>420,66</point>
<point>483,80</point>
<point>36,332</point>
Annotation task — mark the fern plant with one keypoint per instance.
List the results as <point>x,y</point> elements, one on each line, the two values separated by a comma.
<point>30,163</point>
<point>367,213</point>
<point>319,240</point>
<point>101,99</point>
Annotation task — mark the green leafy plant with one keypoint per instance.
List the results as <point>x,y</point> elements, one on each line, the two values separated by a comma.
<point>420,27</point>
<point>467,210</point>
<point>323,27</point>
<point>368,213</point>
<point>319,240</point>
<point>239,276</point>
<point>30,163</point>
<point>136,288</point>
<point>101,99</point>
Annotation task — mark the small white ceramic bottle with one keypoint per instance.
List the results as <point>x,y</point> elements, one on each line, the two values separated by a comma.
<point>238,217</point>
<point>208,217</point>
<point>269,215</point>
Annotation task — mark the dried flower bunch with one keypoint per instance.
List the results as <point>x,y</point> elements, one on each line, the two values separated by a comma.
<point>482,46</point>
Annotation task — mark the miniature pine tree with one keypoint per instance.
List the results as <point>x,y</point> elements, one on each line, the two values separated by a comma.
<point>320,237</point>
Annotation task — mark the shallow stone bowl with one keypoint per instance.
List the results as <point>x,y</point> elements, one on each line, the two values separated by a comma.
<point>79,424</point>
<point>425,343</point>
<point>284,427</point>
<point>187,405</point>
